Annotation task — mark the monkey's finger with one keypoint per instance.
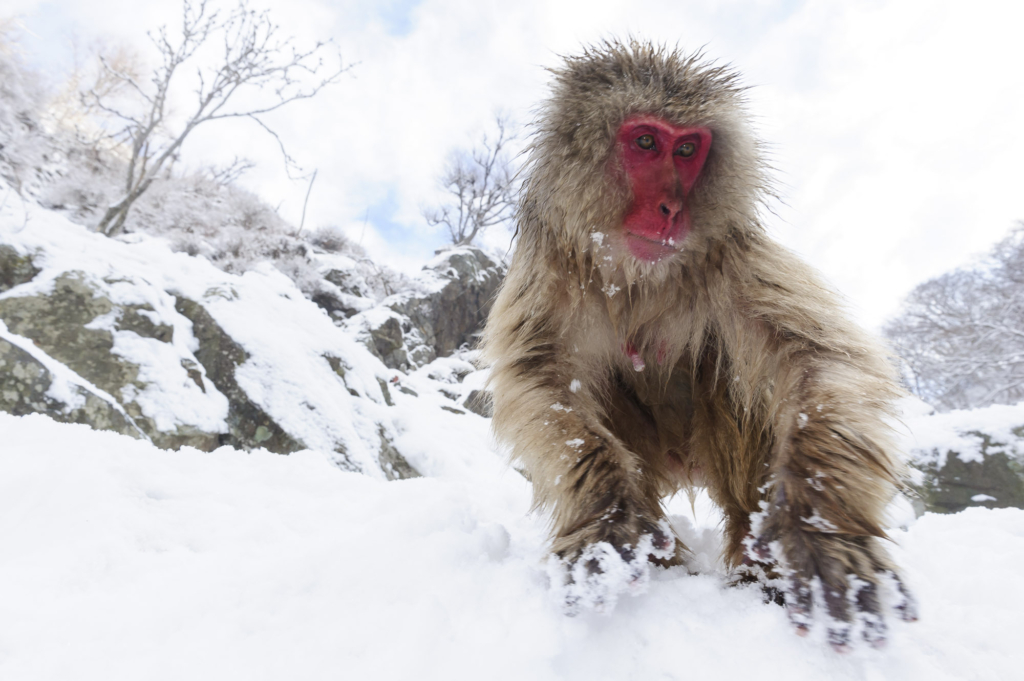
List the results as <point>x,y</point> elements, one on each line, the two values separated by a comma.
<point>799,602</point>
<point>773,594</point>
<point>759,548</point>
<point>661,537</point>
<point>869,611</point>
<point>839,611</point>
<point>905,604</point>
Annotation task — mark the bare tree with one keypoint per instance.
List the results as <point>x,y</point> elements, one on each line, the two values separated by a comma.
<point>962,333</point>
<point>253,58</point>
<point>480,187</point>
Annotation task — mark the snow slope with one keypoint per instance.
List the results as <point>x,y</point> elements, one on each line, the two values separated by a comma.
<point>123,561</point>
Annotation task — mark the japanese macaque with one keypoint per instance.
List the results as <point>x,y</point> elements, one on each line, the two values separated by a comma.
<point>650,338</point>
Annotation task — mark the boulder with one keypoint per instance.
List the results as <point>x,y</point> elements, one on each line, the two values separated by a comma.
<point>249,426</point>
<point>444,311</point>
<point>452,315</point>
<point>987,477</point>
<point>15,268</point>
<point>26,387</point>
<point>62,323</point>
<point>392,462</point>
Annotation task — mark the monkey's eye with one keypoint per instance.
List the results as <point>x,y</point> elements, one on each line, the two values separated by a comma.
<point>645,142</point>
<point>686,149</point>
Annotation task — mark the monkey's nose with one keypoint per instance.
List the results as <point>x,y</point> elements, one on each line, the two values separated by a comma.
<point>670,209</point>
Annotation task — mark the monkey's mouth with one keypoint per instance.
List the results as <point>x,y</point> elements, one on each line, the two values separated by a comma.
<point>650,250</point>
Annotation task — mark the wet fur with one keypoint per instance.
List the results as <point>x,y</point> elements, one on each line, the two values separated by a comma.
<point>755,386</point>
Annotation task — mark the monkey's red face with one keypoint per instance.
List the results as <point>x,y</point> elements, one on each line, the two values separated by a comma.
<point>663,162</point>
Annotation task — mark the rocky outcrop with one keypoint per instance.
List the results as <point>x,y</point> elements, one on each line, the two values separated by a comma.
<point>73,349</point>
<point>444,312</point>
<point>392,462</point>
<point>62,323</point>
<point>27,387</point>
<point>987,477</point>
<point>393,339</point>
<point>15,268</point>
<point>58,323</point>
<point>249,426</point>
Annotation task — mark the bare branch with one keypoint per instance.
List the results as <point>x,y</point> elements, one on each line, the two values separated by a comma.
<point>254,59</point>
<point>309,190</point>
<point>228,174</point>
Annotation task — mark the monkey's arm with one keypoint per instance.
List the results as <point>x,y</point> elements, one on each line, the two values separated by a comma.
<point>825,392</point>
<point>580,471</point>
<point>544,407</point>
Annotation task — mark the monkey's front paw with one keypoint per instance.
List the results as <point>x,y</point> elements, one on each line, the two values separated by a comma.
<point>845,574</point>
<point>594,576</point>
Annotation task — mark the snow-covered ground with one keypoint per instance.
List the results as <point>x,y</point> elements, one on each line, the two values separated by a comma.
<point>123,561</point>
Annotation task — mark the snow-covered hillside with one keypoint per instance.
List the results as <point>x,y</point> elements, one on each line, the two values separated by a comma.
<point>128,335</point>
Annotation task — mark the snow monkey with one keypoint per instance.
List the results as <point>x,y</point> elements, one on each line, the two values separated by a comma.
<point>650,338</point>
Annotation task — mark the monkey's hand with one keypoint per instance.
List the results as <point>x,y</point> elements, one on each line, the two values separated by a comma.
<point>606,558</point>
<point>845,573</point>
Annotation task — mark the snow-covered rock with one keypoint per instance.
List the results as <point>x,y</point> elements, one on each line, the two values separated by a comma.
<point>966,458</point>
<point>442,311</point>
<point>127,335</point>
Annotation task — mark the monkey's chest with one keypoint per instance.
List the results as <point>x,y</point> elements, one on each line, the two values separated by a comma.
<point>651,412</point>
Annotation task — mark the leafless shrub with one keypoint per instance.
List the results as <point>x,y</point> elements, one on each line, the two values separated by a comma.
<point>23,147</point>
<point>331,240</point>
<point>228,174</point>
<point>480,185</point>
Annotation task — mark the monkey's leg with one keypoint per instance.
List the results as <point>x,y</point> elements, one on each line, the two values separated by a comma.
<point>733,456</point>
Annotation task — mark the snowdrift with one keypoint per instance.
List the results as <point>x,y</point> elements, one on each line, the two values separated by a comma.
<point>123,561</point>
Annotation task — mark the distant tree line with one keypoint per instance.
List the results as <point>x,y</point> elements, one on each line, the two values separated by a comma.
<point>961,334</point>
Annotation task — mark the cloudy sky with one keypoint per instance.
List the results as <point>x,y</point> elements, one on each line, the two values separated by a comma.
<point>895,126</point>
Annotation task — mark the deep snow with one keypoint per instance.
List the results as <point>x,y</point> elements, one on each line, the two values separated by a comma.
<point>122,561</point>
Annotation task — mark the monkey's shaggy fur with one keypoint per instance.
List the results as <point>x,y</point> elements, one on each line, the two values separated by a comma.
<point>754,384</point>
